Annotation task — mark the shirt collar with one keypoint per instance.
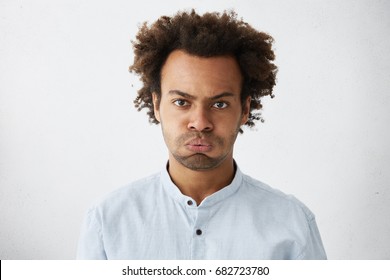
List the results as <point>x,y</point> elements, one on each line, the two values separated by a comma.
<point>212,199</point>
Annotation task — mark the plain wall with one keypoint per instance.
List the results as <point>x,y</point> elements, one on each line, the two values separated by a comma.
<point>69,132</point>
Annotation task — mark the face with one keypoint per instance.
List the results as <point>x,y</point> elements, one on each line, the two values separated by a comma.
<point>200,109</point>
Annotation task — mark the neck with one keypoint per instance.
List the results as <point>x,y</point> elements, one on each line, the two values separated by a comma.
<point>200,184</point>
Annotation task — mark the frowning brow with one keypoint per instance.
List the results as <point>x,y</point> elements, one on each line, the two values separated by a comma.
<point>182,94</point>
<point>224,94</point>
<point>189,96</point>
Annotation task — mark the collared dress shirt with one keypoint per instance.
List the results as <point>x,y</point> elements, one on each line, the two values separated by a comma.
<point>152,219</point>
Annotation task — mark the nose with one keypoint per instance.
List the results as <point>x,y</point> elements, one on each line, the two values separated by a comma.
<point>200,120</point>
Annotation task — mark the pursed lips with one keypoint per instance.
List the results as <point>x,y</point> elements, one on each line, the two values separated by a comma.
<point>199,145</point>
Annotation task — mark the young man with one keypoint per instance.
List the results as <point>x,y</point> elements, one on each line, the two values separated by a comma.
<point>203,77</point>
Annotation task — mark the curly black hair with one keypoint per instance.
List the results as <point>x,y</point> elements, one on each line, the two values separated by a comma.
<point>207,35</point>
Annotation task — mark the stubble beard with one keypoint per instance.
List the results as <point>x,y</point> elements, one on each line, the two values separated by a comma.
<point>200,161</point>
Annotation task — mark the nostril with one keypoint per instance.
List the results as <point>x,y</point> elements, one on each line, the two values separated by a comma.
<point>200,122</point>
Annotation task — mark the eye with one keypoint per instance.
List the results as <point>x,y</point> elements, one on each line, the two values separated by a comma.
<point>220,105</point>
<point>180,102</point>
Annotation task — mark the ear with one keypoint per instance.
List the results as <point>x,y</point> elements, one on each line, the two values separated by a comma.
<point>156,106</point>
<point>245,110</point>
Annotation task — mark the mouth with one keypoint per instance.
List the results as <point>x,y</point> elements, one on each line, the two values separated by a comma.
<point>199,146</point>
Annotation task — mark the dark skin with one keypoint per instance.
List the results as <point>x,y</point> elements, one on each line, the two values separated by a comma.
<point>207,35</point>
<point>200,112</point>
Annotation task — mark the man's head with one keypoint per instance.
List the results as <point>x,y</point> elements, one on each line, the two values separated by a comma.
<point>209,35</point>
<point>200,108</point>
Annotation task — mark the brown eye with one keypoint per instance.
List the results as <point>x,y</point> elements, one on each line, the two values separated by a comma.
<point>180,103</point>
<point>220,105</point>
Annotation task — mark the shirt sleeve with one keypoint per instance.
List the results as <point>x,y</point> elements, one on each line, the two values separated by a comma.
<point>314,249</point>
<point>90,246</point>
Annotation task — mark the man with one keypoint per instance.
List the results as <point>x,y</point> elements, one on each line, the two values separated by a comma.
<point>203,77</point>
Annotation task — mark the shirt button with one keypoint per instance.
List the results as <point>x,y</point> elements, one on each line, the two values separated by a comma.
<point>189,202</point>
<point>198,232</point>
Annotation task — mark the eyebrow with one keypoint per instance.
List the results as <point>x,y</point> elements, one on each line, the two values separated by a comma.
<point>189,96</point>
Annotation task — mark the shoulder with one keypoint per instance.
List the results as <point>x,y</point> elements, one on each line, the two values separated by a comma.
<point>273,198</point>
<point>129,194</point>
<point>138,186</point>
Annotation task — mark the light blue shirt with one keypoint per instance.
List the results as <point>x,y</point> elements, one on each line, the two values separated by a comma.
<point>152,219</point>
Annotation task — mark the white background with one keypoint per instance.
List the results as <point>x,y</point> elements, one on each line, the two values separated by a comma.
<point>70,134</point>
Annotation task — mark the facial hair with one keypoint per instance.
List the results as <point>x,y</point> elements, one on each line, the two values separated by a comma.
<point>201,161</point>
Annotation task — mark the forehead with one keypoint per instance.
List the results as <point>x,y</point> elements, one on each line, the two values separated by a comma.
<point>200,75</point>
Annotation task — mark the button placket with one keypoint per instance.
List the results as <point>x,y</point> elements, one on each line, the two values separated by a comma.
<point>198,248</point>
<point>191,209</point>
